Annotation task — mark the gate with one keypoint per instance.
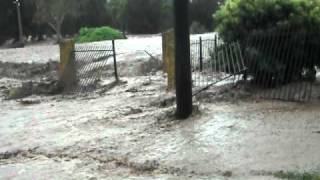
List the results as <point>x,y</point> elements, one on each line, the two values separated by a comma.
<point>92,63</point>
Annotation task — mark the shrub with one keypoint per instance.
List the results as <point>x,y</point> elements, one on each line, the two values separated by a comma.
<point>267,20</point>
<point>98,34</point>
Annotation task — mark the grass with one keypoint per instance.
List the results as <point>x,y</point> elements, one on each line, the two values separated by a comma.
<point>297,175</point>
<point>98,34</point>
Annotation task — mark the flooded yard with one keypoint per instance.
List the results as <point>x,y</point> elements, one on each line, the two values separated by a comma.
<point>122,134</point>
<point>129,132</point>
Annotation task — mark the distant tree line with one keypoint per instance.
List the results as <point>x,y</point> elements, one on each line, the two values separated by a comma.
<point>60,17</point>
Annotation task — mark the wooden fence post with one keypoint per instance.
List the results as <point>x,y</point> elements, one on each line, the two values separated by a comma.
<point>67,68</point>
<point>169,58</point>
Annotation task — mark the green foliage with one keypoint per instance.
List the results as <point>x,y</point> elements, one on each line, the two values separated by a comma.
<point>257,24</point>
<point>238,18</point>
<point>297,176</point>
<point>98,34</point>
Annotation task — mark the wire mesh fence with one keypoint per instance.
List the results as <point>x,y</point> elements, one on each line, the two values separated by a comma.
<point>213,62</point>
<point>92,63</point>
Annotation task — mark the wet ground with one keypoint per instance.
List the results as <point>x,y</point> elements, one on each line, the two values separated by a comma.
<point>129,131</point>
<point>125,134</point>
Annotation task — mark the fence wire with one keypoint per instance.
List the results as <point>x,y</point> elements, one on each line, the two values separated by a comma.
<point>93,62</point>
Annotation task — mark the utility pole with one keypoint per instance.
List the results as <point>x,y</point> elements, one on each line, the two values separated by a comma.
<point>182,57</point>
<point>18,6</point>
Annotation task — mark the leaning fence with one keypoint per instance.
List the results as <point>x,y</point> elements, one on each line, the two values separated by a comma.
<point>93,62</point>
<point>214,62</point>
<point>280,63</point>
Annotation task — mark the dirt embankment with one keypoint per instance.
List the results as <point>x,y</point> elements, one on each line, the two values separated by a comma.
<point>22,80</point>
<point>27,71</point>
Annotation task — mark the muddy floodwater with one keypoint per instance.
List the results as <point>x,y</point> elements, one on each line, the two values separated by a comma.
<point>129,131</point>
<point>124,134</point>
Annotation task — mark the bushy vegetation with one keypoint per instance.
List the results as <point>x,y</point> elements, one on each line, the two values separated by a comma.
<point>98,34</point>
<point>243,20</point>
<point>237,19</point>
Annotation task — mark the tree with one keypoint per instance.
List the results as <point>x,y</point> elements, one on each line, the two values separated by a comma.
<point>8,25</point>
<point>144,16</point>
<point>201,11</point>
<point>167,15</point>
<point>53,12</point>
<point>118,10</point>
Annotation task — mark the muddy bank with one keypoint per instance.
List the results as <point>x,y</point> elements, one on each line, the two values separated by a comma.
<point>22,80</point>
<point>28,71</point>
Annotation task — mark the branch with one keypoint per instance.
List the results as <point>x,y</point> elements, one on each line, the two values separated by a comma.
<point>52,26</point>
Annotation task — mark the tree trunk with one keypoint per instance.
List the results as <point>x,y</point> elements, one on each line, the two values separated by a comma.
<point>59,34</point>
<point>57,28</point>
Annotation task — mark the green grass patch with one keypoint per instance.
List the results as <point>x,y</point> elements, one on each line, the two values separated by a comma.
<point>98,34</point>
<point>297,175</point>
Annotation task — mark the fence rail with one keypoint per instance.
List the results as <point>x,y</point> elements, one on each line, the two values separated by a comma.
<point>214,62</point>
<point>280,63</point>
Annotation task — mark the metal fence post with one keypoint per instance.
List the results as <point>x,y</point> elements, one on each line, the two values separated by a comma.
<point>215,42</point>
<point>115,61</point>
<point>216,46</point>
<point>201,55</point>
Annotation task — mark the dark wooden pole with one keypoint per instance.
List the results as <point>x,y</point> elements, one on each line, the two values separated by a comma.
<point>182,58</point>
